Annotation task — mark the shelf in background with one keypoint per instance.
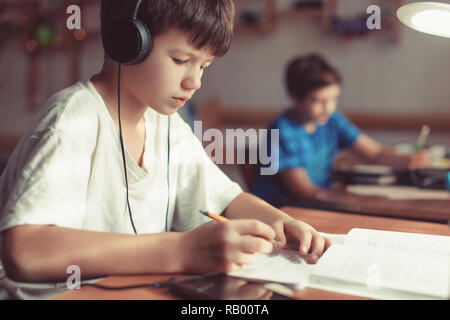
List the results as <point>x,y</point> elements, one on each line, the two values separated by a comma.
<point>265,20</point>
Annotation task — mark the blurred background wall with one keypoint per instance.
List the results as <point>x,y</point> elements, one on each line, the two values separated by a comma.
<point>394,73</point>
<point>380,74</point>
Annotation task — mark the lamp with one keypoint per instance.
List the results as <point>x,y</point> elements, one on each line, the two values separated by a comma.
<point>428,17</point>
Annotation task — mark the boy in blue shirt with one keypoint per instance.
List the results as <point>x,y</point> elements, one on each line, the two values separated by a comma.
<point>313,132</point>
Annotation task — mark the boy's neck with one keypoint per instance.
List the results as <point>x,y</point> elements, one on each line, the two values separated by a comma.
<point>298,116</point>
<point>132,110</point>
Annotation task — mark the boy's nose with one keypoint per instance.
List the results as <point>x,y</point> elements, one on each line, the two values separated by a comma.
<point>192,82</point>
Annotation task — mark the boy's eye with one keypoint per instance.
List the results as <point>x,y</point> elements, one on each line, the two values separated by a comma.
<point>178,61</point>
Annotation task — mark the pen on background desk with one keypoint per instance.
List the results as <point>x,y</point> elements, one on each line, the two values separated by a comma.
<point>422,138</point>
<point>222,218</point>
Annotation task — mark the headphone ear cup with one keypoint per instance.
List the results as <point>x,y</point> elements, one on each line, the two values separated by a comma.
<point>126,41</point>
<point>146,41</point>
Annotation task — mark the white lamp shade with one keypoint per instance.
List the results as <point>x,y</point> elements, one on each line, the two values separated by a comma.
<point>428,17</point>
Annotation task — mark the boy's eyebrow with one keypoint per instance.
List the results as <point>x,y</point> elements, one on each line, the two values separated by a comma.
<point>190,54</point>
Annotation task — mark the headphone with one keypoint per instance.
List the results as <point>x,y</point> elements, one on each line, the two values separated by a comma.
<point>129,41</point>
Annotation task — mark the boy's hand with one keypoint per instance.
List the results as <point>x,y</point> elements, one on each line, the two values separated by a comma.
<point>311,244</point>
<point>418,160</point>
<point>224,246</point>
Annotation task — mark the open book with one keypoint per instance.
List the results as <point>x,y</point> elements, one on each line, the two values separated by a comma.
<point>371,263</point>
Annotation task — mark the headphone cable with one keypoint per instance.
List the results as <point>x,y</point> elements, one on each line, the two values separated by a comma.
<point>125,163</point>
<point>168,176</point>
<point>122,147</point>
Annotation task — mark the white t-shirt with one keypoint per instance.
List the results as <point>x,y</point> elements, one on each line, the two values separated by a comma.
<point>68,171</point>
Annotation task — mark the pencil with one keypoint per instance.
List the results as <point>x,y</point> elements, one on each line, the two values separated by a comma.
<point>422,138</point>
<point>222,218</point>
<point>213,216</point>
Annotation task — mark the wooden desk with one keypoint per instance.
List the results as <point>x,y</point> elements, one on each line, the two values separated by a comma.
<point>418,209</point>
<point>330,222</point>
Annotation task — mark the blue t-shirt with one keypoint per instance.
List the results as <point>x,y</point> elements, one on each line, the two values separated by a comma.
<point>313,152</point>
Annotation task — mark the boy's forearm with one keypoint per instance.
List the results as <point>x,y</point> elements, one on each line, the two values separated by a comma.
<point>375,152</point>
<point>308,194</point>
<point>298,185</point>
<point>44,253</point>
<point>389,157</point>
<point>247,206</point>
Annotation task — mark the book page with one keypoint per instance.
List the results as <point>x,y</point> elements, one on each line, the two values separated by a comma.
<point>285,266</point>
<point>334,237</point>
<point>413,243</point>
<point>376,269</point>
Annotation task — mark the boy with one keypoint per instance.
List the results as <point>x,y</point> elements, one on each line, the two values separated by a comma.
<point>312,133</point>
<point>63,195</point>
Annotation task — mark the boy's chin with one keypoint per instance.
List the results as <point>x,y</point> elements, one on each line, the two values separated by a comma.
<point>166,110</point>
<point>323,120</point>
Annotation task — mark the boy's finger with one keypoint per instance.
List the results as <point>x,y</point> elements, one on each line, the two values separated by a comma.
<point>328,243</point>
<point>256,244</point>
<point>253,228</point>
<point>317,247</point>
<point>280,237</point>
<point>304,237</point>
<point>244,258</point>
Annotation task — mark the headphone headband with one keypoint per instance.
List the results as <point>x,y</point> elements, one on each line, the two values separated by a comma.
<point>136,9</point>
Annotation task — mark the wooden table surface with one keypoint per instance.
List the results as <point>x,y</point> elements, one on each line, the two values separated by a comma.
<point>324,221</point>
<point>414,209</point>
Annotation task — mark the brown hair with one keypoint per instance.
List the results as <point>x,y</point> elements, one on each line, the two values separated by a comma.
<point>209,22</point>
<point>309,73</point>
